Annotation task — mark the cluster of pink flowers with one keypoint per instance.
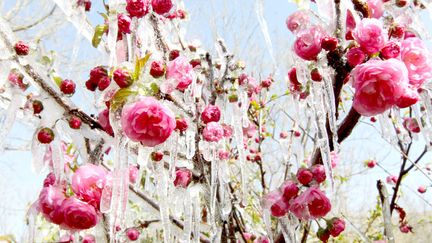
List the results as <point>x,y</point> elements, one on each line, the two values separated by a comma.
<point>389,65</point>
<point>304,199</point>
<point>81,209</point>
<point>213,131</point>
<point>391,80</point>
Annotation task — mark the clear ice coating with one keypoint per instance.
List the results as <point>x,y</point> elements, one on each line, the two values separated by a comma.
<point>7,119</point>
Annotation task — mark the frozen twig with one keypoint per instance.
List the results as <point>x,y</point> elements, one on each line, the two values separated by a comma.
<point>386,211</point>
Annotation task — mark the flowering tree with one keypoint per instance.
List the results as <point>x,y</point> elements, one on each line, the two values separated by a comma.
<point>183,145</point>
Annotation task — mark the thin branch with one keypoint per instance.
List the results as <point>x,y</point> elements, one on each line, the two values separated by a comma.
<point>386,211</point>
<point>21,28</point>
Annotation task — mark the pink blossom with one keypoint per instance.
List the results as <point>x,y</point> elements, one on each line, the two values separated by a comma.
<point>213,132</point>
<point>417,59</point>
<point>371,163</point>
<point>250,131</point>
<point>223,154</point>
<point>133,173</point>
<point>183,178</point>
<point>334,157</point>
<point>78,215</point>
<point>276,203</point>
<point>88,182</point>
<point>211,113</point>
<point>122,77</point>
<point>124,23</point>
<point>297,21</point>
<point>311,204</point>
<point>89,239</point>
<point>132,234</point>
<point>411,125</point>
<point>350,21</point>
<point>137,8</point>
<point>379,85</point>
<point>318,172</point>
<point>147,121</point>
<point>337,227</point>
<point>103,119</point>
<point>355,56</point>
<point>49,204</point>
<point>421,189</point>
<point>49,180</point>
<point>392,179</point>
<point>162,6</point>
<point>16,79</point>
<point>390,50</point>
<point>180,73</point>
<point>370,35</point>
<point>376,8</point>
<point>228,130</point>
<point>289,190</point>
<point>304,176</point>
<point>308,43</point>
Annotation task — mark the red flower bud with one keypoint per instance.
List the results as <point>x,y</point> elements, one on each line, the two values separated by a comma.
<point>37,107</point>
<point>67,87</point>
<point>75,122</point>
<point>45,135</point>
<point>21,48</point>
<point>157,69</point>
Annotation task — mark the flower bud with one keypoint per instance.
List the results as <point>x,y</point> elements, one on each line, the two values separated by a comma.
<point>157,69</point>
<point>67,87</point>
<point>132,234</point>
<point>45,135</point>
<point>122,78</point>
<point>74,122</point>
<point>304,176</point>
<point>37,106</point>
<point>21,48</point>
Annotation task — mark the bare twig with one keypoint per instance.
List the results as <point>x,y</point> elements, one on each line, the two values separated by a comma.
<point>21,28</point>
<point>386,211</point>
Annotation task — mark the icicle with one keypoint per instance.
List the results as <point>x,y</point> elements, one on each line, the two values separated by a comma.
<point>387,128</point>
<point>120,182</point>
<point>75,50</point>
<point>187,203</point>
<point>142,160</point>
<point>213,193</point>
<point>8,120</point>
<point>38,151</point>
<point>190,143</point>
<point>162,189</point>
<point>225,204</point>
<point>31,223</point>
<point>268,223</point>
<point>78,18</point>
<point>259,8</point>
<point>288,229</point>
<point>57,159</point>
<point>196,215</point>
<point>172,146</point>
<point>112,38</point>
<point>238,137</point>
<point>330,98</point>
<point>323,140</point>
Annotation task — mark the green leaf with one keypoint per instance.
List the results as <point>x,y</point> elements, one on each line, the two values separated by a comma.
<point>57,80</point>
<point>255,105</point>
<point>97,37</point>
<point>273,97</point>
<point>140,63</point>
<point>120,97</point>
<point>155,88</point>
